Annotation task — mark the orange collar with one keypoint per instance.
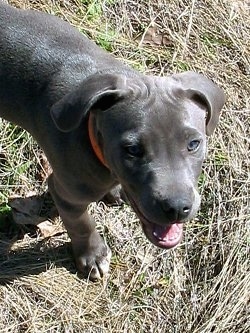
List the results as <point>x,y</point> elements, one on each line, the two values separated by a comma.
<point>93,141</point>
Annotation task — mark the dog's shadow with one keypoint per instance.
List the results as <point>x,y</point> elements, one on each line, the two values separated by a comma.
<point>23,253</point>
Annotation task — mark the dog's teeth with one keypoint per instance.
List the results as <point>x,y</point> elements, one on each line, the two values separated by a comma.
<point>157,236</point>
<point>173,237</point>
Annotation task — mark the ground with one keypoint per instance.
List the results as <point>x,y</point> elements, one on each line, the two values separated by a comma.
<point>201,286</point>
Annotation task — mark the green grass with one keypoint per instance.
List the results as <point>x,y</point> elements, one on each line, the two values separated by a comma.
<point>105,40</point>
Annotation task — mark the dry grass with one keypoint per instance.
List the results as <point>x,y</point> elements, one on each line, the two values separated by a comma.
<point>203,285</point>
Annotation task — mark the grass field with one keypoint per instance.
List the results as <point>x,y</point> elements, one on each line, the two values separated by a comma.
<point>203,285</point>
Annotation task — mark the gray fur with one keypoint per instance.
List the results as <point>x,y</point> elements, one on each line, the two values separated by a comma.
<point>52,77</point>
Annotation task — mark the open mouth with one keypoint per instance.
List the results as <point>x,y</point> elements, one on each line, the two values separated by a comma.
<point>164,236</point>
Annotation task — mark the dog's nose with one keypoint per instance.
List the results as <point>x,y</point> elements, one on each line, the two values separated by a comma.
<point>176,209</point>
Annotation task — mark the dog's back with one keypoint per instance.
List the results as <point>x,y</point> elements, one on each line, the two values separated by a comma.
<point>41,59</point>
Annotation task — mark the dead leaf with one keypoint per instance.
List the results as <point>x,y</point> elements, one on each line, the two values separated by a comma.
<point>28,211</point>
<point>45,169</point>
<point>23,219</point>
<point>48,229</point>
<point>154,37</point>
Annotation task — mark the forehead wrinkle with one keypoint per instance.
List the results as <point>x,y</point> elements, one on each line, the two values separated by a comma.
<point>165,113</point>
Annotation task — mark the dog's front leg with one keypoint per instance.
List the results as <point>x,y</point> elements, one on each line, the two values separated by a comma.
<point>92,255</point>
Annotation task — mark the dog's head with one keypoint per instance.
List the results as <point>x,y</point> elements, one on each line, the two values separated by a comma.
<point>152,132</point>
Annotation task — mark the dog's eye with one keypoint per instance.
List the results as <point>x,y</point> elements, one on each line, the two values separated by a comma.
<point>193,145</point>
<point>134,150</point>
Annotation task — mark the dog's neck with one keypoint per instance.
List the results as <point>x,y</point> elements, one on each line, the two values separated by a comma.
<point>93,140</point>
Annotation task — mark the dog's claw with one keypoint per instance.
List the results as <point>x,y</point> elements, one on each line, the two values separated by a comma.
<point>103,265</point>
<point>93,260</point>
<point>96,270</point>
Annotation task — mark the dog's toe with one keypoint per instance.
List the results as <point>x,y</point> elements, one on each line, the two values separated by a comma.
<point>92,273</point>
<point>92,261</point>
<point>94,268</point>
<point>103,264</point>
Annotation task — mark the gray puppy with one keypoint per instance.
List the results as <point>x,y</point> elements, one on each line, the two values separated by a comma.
<point>101,124</point>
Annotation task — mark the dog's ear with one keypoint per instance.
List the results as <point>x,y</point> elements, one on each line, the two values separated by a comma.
<point>100,91</point>
<point>204,92</point>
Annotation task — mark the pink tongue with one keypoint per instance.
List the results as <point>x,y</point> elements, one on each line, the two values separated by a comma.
<point>170,233</point>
